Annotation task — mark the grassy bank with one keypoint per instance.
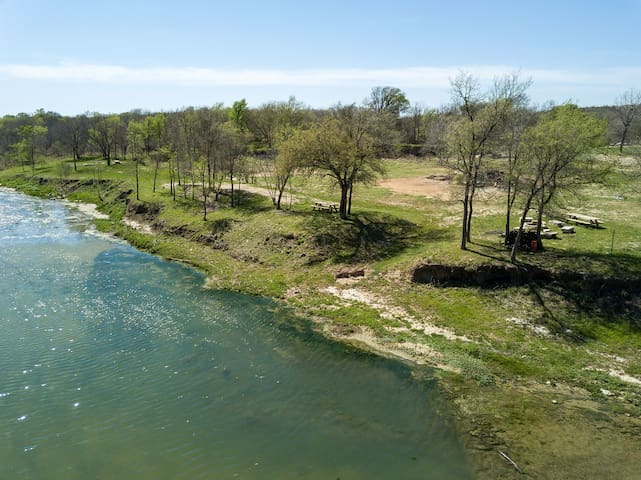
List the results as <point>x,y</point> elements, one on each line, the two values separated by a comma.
<point>546,373</point>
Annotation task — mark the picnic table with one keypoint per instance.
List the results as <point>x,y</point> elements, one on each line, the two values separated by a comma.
<point>586,220</point>
<point>325,207</point>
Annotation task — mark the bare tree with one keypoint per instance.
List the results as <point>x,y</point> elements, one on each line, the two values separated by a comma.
<point>519,119</point>
<point>628,107</point>
<point>481,118</point>
<point>104,134</point>
<point>77,129</point>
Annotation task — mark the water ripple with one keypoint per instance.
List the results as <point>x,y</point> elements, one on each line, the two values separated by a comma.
<point>119,365</point>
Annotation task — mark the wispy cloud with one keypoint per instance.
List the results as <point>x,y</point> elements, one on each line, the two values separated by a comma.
<point>432,77</point>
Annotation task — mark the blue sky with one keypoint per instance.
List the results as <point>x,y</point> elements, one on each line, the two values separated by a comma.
<point>73,56</point>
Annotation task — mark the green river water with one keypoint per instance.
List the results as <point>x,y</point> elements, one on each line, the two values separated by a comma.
<point>118,365</point>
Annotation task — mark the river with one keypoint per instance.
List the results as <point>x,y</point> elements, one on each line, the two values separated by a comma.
<point>117,364</point>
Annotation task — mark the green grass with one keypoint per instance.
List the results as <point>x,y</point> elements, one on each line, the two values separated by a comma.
<point>255,249</point>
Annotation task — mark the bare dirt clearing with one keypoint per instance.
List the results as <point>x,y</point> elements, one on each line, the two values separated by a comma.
<point>439,187</point>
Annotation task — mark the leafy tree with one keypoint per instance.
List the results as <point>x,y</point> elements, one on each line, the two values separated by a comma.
<point>555,150</point>
<point>369,138</point>
<point>388,100</point>
<point>32,139</point>
<point>154,133</point>
<point>329,146</point>
<point>238,115</point>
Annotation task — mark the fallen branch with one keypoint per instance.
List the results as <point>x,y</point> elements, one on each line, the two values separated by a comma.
<point>505,456</point>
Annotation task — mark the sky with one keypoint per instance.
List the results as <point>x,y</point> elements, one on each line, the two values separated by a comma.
<point>72,56</point>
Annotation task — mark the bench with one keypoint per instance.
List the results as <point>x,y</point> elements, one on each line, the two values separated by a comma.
<point>325,207</point>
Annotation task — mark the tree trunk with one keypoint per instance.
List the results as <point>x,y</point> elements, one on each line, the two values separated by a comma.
<point>470,204</point>
<point>517,240</point>
<point>349,200</point>
<point>465,223</point>
<point>204,202</point>
<point>137,182</point>
<point>539,222</point>
<point>508,209</point>
<point>623,136</point>
<point>156,174</point>
<point>342,208</point>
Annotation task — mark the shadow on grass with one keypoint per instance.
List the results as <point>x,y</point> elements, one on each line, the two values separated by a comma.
<point>574,312</point>
<point>365,237</point>
<point>493,252</point>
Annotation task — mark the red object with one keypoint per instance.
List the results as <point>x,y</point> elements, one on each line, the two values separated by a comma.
<point>533,246</point>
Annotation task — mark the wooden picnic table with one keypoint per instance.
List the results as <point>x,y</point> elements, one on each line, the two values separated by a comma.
<point>586,220</point>
<point>325,207</point>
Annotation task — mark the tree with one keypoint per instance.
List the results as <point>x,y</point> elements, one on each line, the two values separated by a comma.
<point>135,138</point>
<point>437,124</point>
<point>471,136</point>
<point>231,151</point>
<point>154,132</point>
<point>345,156</point>
<point>370,139</point>
<point>104,134</point>
<point>32,138</point>
<point>518,120</point>
<point>555,150</point>
<point>413,125</point>
<point>77,129</point>
<point>388,99</point>
<point>208,124</point>
<point>238,115</point>
<point>272,122</point>
<point>628,107</point>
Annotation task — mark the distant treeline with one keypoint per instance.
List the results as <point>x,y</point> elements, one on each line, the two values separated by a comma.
<point>494,135</point>
<point>407,128</point>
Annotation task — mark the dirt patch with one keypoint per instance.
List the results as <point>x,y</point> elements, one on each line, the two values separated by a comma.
<point>88,209</point>
<point>435,186</point>
<point>138,226</point>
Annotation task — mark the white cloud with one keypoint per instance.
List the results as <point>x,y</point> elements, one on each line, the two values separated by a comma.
<point>431,77</point>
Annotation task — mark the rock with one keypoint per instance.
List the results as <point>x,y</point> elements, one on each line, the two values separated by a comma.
<point>350,272</point>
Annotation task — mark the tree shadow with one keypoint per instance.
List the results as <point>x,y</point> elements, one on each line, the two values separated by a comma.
<point>246,201</point>
<point>489,251</point>
<point>573,311</point>
<point>365,237</point>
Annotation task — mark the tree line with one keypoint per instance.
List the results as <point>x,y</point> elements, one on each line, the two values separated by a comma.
<point>540,151</point>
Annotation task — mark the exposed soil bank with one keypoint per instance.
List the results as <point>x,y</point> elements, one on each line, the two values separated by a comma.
<point>511,275</point>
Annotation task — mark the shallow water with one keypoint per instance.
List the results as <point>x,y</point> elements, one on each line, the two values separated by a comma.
<point>116,364</point>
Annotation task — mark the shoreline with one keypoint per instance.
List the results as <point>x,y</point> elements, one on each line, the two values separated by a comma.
<point>486,415</point>
<point>491,453</point>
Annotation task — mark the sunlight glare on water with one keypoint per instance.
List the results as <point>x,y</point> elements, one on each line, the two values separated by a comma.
<point>117,364</point>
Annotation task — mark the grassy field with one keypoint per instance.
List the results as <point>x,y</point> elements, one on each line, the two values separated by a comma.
<point>550,373</point>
